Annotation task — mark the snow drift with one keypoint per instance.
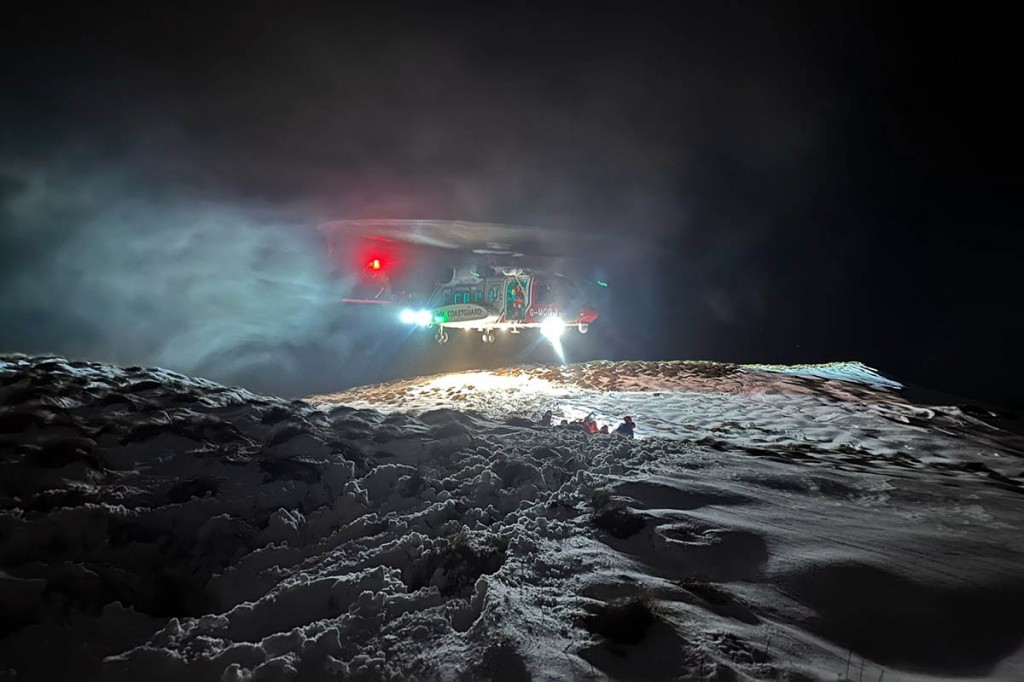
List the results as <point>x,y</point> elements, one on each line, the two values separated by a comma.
<point>807,523</point>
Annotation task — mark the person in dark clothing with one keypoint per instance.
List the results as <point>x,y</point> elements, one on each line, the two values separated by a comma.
<point>626,427</point>
<point>545,420</point>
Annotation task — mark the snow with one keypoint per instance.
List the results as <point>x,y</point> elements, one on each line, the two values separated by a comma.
<point>840,371</point>
<point>818,411</point>
<point>767,523</point>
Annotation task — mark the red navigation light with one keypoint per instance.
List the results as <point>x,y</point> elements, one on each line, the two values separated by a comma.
<point>373,264</point>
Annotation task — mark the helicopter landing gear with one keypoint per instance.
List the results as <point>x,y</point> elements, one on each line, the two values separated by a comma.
<point>584,328</point>
<point>487,337</point>
<point>441,336</point>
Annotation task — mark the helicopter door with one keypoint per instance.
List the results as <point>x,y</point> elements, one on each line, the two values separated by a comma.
<point>517,298</point>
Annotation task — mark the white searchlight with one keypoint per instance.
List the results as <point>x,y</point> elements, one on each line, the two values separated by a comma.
<point>423,318</point>
<point>552,328</point>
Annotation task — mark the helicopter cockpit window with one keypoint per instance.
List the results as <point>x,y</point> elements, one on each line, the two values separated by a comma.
<point>462,296</point>
<point>543,293</point>
<point>446,297</point>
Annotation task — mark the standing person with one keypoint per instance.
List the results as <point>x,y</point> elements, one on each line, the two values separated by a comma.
<point>626,427</point>
<point>518,302</point>
<point>589,422</point>
<point>545,420</point>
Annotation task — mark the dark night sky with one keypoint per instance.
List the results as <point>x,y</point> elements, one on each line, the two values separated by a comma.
<point>775,182</point>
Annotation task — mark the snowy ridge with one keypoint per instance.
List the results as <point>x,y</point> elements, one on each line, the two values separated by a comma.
<point>839,371</point>
<point>158,527</point>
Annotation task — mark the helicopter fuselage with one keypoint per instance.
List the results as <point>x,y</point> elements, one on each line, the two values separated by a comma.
<point>511,301</point>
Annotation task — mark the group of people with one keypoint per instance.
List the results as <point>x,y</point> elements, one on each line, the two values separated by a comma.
<point>589,425</point>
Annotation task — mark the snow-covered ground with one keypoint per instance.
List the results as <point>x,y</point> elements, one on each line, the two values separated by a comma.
<point>830,412</point>
<point>768,523</point>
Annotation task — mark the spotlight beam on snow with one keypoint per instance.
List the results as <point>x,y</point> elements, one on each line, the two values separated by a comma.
<point>556,344</point>
<point>488,381</point>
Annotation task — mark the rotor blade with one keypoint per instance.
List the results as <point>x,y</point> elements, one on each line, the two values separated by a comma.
<point>483,238</point>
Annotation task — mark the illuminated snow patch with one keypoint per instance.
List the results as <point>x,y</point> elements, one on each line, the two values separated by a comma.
<point>486,381</point>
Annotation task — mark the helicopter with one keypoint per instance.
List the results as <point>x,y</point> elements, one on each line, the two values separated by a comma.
<point>497,292</point>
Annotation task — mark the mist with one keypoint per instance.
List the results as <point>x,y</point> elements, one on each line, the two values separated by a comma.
<point>106,270</point>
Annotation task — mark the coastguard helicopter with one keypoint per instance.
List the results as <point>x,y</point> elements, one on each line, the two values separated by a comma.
<point>497,293</point>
